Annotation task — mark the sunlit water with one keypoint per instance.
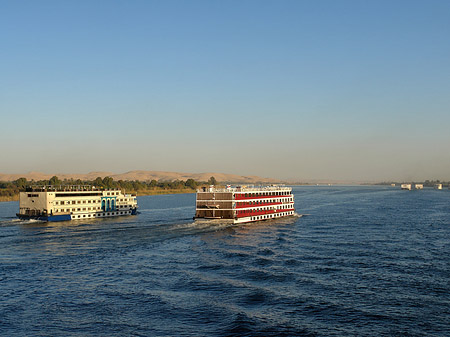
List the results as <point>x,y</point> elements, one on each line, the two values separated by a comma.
<point>364,261</point>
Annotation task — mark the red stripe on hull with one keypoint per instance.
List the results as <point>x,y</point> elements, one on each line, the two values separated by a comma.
<point>247,214</point>
<point>259,205</point>
<point>254,219</point>
<point>242,197</point>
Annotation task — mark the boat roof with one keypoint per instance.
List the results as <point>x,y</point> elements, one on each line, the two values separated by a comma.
<point>270,188</point>
<point>67,188</point>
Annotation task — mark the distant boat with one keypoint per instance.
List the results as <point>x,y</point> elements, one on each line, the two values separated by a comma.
<point>438,186</point>
<point>393,185</point>
<point>406,187</point>
<point>419,186</point>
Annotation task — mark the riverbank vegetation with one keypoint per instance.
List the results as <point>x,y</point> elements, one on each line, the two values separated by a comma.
<point>9,191</point>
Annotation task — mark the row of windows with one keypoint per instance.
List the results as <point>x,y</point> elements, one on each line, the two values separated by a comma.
<point>74,202</point>
<point>256,210</point>
<point>268,216</point>
<point>112,193</point>
<point>67,210</point>
<point>96,215</point>
<point>264,201</point>
<point>262,194</point>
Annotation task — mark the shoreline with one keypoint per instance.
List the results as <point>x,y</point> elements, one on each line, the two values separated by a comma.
<point>139,194</point>
<point>14,197</point>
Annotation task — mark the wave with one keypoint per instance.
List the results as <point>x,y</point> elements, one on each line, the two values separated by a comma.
<point>14,222</point>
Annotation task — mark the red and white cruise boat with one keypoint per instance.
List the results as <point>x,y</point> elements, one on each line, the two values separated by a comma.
<point>244,204</point>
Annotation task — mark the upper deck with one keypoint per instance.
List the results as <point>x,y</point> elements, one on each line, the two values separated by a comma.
<point>66,188</point>
<point>246,189</point>
<point>73,191</point>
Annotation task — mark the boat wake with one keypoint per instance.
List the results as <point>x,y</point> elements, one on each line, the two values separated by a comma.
<point>14,222</point>
<point>200,226</point>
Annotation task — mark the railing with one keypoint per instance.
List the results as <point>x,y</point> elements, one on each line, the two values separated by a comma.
<point>66,188</point>
<point>244,189</point>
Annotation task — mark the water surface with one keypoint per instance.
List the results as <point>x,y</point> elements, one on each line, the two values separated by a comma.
<point>365,261</point>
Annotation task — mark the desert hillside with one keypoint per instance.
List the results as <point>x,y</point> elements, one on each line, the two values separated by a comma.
<point>144,176</point>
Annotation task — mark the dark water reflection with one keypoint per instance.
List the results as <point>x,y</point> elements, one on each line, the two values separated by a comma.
<point>365,261</point>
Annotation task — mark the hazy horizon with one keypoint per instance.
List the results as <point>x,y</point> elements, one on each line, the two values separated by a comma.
<point>76,175</point>
<point>292,90</point>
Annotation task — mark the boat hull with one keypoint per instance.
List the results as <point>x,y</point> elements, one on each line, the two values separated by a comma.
<point>244,220</point>
<point>68,217</point>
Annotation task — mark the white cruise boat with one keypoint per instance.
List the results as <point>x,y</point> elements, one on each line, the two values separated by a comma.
<point>61,203</point>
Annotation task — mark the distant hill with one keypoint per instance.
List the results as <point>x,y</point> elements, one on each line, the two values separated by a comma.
<point>144,176</point>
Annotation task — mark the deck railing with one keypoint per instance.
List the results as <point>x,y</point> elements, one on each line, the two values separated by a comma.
<point>67,188</point>
<point>245,189</point>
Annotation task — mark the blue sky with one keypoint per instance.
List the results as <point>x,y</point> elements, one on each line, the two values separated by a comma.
<point>353,90</point>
